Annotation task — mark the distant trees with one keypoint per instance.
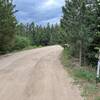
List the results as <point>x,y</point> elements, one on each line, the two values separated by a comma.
<point>39,35</point>
<point>78,23</point>
<point>55,35</point>
<point>7,25</point>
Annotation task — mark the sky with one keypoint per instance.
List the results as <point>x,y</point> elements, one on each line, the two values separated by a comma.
<point>39,11</point>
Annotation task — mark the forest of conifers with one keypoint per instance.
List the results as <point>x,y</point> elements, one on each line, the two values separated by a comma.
<point>79,28</point>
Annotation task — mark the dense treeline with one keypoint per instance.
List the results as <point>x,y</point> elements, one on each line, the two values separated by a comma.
<point>39,35</point>
<point>81,24</point>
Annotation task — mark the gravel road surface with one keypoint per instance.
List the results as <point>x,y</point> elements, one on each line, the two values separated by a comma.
<point>36,75</point>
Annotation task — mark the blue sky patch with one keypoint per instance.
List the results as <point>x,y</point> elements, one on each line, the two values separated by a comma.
<point>39,11</point>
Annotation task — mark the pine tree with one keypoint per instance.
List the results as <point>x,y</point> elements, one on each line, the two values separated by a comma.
<point>7,25</point>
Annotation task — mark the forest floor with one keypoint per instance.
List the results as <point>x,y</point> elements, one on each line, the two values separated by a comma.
<point>36,74</point>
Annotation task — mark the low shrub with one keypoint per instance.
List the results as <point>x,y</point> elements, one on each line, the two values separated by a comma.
<point>21,43</point>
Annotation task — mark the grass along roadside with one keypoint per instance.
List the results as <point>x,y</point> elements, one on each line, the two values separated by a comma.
<point>83,76</point>
<point>32,47</point>
<point>27,48</point>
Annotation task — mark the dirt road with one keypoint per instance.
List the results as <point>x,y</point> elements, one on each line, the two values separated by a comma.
<point>36,75</point>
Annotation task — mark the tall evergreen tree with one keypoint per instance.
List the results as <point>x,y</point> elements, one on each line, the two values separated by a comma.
<point>7,25</point>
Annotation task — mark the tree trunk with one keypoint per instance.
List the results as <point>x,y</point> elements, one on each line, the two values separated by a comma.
<point>80,54</point>
<point>84,57</point>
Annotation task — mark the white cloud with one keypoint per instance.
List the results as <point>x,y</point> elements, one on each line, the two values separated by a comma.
<point>51,4</point>
<point>39,11</point>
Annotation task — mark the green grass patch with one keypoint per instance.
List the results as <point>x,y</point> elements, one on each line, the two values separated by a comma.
<point>82,73</point>
<point>26,48</point>
<point>97,98</point>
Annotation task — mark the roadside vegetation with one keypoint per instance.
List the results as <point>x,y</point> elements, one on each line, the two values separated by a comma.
<point>81,29</point>
<point>84,77</point>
